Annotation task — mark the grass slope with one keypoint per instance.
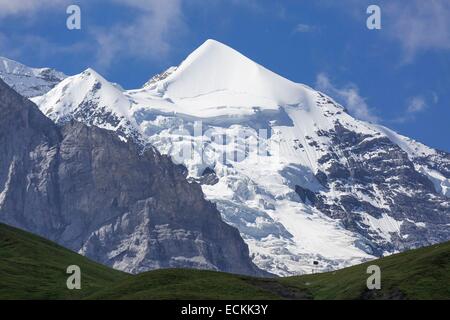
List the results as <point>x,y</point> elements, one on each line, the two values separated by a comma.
<point>34,268</point>
<point>417,274</point>
<point>173,284</point>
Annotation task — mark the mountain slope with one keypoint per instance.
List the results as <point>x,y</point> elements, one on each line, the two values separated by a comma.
<point>89,97</point>
<point>216,80</point>
<point>87,190</point>
<point>34,268</point>
<point>29,82</point>
<point>417,274</point>
<point>300,178</point>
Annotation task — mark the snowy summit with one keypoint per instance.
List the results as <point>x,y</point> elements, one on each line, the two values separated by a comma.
<point>331,188</point>
<point>29,82</point>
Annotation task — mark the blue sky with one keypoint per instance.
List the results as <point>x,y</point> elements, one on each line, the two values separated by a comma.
<point>398,76</point>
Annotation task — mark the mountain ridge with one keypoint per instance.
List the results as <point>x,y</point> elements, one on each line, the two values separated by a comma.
<point>218,67</point>
<point>329,188</point>
<point>29,82</point>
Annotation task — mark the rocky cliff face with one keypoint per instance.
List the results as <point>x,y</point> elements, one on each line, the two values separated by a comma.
<point>86,189</point>
<point>387,193</point>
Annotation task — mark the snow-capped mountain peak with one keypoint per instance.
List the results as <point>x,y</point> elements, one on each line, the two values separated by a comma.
<point>86,87</point>
<point>29,82</point>
<point>215,67</point>
<point>216,80</point>
<point>329,188</point>
<point>90,98</point>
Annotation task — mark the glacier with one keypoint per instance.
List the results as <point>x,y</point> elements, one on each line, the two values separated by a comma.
<point>329,188</point>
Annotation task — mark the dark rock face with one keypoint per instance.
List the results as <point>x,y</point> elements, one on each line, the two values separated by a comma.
<point>305,194</point>
<point>381,171</point>
<point>208,177</point>
<point>87,190</point>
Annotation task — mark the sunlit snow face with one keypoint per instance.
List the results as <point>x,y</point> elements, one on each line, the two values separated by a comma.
<point>226,146</point>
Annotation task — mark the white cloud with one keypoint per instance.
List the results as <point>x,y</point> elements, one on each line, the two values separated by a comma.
<point>147,36</point>
<point>350,97</point>
<point>303,28</point>
<point>435,97</point>
<point>419,25</point>
<point>13,46</point>
<point>416,104</point>
<point>20,7</point>
<point>151,31</point>
<point>416,25</point>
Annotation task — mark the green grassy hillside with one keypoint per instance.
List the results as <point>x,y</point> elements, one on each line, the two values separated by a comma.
<point>34,268</point>
<point>417,274</point>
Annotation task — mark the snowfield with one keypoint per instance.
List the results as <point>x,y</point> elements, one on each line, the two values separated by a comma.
<point>29,82</point>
